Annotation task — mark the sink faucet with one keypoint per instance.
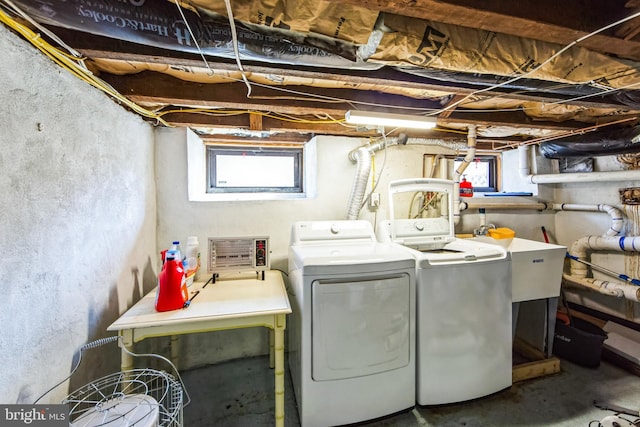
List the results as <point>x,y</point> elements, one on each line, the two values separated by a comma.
<point>483,230</point>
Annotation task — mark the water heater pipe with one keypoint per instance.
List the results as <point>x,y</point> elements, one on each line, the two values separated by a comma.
<point>558,178</point>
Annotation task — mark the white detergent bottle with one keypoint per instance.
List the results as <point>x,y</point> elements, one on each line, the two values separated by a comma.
<point>192,255</point>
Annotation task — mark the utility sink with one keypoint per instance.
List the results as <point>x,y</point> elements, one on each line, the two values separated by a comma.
<point>536,269</point>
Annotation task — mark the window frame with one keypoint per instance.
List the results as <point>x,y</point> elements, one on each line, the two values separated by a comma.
<point>214,151</point>
<point>197,174</point>
<point>493,170</point>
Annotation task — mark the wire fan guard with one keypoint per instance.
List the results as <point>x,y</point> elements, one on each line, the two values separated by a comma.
<point>139,397</point>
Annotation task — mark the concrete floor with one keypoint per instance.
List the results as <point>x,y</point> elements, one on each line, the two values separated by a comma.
<point>240,393</point>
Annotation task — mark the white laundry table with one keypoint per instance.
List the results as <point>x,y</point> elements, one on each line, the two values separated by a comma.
<point>225,304</point>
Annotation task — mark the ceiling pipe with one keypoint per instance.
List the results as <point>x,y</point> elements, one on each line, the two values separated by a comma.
<point>612,176</point>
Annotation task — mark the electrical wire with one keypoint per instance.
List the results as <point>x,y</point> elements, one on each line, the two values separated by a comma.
<point>83,348</point>
<point>542,64</point>
<point>157,356</point>
<point>102,341</point>
<point>42,29</point>
<point>73,64</point>
<point>193,37</point>
<point>234,38</point>
<point>377,180</point>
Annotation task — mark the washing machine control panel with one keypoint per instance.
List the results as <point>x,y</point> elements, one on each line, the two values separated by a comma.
<point>422,227</point>
<point>343,230</point>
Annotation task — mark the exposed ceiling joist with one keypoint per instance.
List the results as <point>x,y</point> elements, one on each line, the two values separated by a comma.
<point>207,92</point>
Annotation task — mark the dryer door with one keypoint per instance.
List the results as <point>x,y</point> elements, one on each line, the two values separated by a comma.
<point>360,327</point>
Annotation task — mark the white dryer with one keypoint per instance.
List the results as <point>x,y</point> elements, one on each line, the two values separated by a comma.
<point>352,334</point>
<point>463,292</point>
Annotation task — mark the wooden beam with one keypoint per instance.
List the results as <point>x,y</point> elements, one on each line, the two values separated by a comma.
<point>150,88</point>
<point>255,121</point>
<point>156,88</point>
<point>282,139</point>
<point>392,79</point>
<point>241,122</point>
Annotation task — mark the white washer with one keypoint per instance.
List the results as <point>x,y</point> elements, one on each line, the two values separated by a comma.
<point>463,292</point>
<point>352,332</point>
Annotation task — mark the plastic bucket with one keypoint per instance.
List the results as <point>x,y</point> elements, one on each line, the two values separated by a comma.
<point>580,343</point>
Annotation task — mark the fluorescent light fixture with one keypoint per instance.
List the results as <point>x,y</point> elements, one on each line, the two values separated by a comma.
<point>389,120</point>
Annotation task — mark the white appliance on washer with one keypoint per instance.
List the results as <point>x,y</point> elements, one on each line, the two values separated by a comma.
<point>463,292</point>
<point>352,332</point>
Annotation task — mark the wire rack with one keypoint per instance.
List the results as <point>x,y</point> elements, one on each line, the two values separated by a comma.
<point>136,397</point>
<point>128,398</point>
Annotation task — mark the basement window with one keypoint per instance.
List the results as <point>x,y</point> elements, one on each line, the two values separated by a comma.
<point>226,172</point>
<point>482,172</point>
<point>254,170</point>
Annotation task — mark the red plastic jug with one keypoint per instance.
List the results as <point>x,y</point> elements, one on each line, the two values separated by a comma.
<point>172,287</point>
<point>466,188</point>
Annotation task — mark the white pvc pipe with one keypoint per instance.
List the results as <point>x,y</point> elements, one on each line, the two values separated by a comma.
<point>579,270</point>
<point>468,158</point>
<point>617,218</point>
<point>477,204</point>
<point>613,176</point>
<point>559,178</point>
<point>605,287</point>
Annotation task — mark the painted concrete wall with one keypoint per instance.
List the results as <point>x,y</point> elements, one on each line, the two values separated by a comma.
<point>77,223</point>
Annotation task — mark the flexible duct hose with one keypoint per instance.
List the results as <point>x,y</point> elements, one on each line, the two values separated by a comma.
<point>362,157</point>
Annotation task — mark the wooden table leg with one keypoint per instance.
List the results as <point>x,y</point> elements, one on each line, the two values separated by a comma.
<point>271,348</point>
<point>278,332</point>
<point>175,350</point>
<point>126,359</point>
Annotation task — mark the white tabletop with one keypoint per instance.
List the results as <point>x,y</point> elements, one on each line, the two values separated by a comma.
<point>227,298</point>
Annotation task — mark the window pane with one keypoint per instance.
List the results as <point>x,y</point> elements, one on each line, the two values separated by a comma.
<point>254,171</point>
<point>477,173</point>
<point>481,172</point>
<point>250,170</point>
